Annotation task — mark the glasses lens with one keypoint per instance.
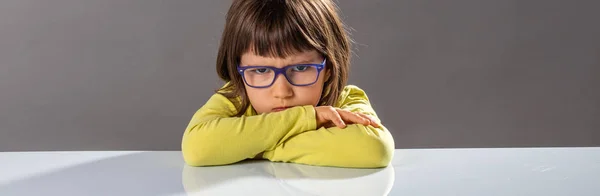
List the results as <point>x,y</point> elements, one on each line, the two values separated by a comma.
<point>302,74</point>
<point>259,77</point>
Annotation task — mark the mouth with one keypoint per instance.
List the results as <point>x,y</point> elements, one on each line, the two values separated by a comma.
<point>277,109</point>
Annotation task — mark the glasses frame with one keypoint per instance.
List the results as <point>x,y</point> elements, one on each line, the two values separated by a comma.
<point>283,71</point>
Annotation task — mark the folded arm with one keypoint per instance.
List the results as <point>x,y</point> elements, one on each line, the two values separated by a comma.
<point>356,145</point>
<point>213,137</point>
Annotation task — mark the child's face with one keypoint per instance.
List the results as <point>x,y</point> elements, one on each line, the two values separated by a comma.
<point>282,93</point>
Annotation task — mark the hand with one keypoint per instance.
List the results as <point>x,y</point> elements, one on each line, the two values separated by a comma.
<point>328,116</point>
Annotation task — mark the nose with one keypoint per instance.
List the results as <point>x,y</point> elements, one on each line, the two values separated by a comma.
<point>281,88</point>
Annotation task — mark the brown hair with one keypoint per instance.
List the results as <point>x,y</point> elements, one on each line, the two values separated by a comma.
<point>278,28</point>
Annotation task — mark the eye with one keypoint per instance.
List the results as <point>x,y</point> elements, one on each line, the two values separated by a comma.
<point>300,68</point>
<point>260,70</point>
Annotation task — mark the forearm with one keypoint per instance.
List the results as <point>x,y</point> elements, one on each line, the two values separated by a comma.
<point>356,146</point>
<point>228,140</point>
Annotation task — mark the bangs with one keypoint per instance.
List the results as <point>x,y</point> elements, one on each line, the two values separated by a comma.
<point>277,29</point>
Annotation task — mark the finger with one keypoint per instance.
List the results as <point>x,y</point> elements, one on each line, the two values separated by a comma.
<point>372,119</point>
<point>335,117</point>
<point>362,120</point>
<point>353,117</point>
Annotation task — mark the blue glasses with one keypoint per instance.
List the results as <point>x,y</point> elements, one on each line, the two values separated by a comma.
<point>297,75</point>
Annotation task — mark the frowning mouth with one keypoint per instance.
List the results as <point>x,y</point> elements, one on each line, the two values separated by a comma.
<point>277,109</point>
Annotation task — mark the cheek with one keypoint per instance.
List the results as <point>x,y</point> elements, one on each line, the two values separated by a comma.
<point>255,97</point>
<point>311,94</point>
<point>253,94</point>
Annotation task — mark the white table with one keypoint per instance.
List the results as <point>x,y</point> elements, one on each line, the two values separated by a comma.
<point>501,171</point>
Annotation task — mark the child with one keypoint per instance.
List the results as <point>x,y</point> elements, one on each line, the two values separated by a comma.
<point>285,64</point>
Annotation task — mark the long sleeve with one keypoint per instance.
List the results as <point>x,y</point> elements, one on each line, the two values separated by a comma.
<point>213,137</point>
<point>355,146</point>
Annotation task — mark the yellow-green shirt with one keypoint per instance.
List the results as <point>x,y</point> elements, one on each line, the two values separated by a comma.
<point>215,137</point>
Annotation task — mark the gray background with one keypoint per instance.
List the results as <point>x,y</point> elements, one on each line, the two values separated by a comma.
<point>129,74</point>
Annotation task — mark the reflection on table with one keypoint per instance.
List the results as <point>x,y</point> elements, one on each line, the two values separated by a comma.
<point>269,178</point>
